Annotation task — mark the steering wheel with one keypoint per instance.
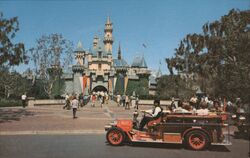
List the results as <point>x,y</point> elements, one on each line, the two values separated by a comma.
<point>145,112</point>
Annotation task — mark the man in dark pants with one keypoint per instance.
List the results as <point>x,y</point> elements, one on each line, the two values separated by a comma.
<point>123,100</point>
<point>74,105</point>
<point>154,114</point>
<point>24,97</point>
<point>137,102</point>
<point>67,102</point>
<point>127,100</point>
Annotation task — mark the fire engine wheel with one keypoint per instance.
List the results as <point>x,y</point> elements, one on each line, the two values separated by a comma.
<point>115,136</point>
<point>197,140</point>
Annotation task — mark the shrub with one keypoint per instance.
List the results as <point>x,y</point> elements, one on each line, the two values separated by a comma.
<point>58,97</point>
<point>10,103</point>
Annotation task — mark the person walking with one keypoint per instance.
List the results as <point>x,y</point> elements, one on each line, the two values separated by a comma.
<point>127,102</point>
<point>106,98</point>
<point>118,99</point>
<point>137,102</point>
<point>93,98</point>
<point>102,100</point>
<point>123,100</point>
<point>24,97</point>
<point>80,98</point>
<point>67,102</point>
<point>74,105</point>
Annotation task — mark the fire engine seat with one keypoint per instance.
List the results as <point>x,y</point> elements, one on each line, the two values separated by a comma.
<point>158,120</point>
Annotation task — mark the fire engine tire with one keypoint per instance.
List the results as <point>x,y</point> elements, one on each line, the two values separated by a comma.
<point>115,136</point>
<point>197,140</point>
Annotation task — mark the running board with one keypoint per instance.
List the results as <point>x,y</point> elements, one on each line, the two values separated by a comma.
<point>224,144</point>
<point>226,141</point>
<point>154,141</point>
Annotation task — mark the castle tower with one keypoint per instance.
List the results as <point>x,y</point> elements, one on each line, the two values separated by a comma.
<point>119,52</point>
<point>108,39</point>
<point>159,73</point>
<point>95,41</point>
<point>80,54</point>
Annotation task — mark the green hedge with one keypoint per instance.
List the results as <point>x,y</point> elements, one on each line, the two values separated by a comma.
<point>147,97</point>
<point>152,97</point>
<point>140,87</point>
<point>10,103</point>
<point>119,87</point>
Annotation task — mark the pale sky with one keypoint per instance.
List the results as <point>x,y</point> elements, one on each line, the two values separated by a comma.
<point>160,24</point>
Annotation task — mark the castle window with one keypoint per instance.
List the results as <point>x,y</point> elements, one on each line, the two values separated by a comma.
<point>99,54</point>
<point>99,66</point>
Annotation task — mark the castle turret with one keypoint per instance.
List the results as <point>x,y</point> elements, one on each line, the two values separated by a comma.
<point>119,52</point>
<point>95,41</point>
<point>108,39</point>
<point>80,54</point>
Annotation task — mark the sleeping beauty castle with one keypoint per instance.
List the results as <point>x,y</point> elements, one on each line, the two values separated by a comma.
<point>100,68</point>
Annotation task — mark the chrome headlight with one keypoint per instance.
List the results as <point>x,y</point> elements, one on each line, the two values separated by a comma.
<point>113,123</point>
<point>242,118</point>
<point>110,125</point>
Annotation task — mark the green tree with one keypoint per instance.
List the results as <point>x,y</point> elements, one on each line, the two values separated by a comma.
<point>12,84</point>
<point>173,86</point>
<point>140,87</point>
<point>132,87</point>
<point>37,90</point>
<point>119,87</point>
<point>51,55</point>
<point>10,53</point>
<point>219,56</point>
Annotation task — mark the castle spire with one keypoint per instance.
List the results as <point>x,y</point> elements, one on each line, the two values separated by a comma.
<point>119,52</point>
<point>79,46</point>
<point>108,20</point>
<point>159,73</point>
<point>108,39</point>
<point>95,41</point>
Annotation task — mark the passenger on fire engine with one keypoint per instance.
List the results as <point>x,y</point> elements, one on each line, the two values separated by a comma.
<point>155,113</point>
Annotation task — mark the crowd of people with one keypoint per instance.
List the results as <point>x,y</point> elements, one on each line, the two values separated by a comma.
<point>100,96</point>
<point>127,101</point>
<point>196,105</point>
<point>205,104</point>
<point>76,101</point>
<point>200,105</point>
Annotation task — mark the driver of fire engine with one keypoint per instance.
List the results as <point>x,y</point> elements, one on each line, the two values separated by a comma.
<point>155,113</point>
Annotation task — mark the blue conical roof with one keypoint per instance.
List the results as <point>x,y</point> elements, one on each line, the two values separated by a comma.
<point>140,62</point>
<point>99,48</point>
<point>79,47</point>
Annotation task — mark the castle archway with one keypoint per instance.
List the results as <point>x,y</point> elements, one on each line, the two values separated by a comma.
<point>100,88</point>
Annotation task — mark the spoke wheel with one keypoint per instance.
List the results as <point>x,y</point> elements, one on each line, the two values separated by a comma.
<point>115,136</point>
<point>197,140</point>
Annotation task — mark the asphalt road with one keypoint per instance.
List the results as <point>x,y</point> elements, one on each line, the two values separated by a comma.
<point>95,146</point>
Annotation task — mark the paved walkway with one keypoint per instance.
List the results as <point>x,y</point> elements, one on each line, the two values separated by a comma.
<point>54,120</point>
<point>49,119</point>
